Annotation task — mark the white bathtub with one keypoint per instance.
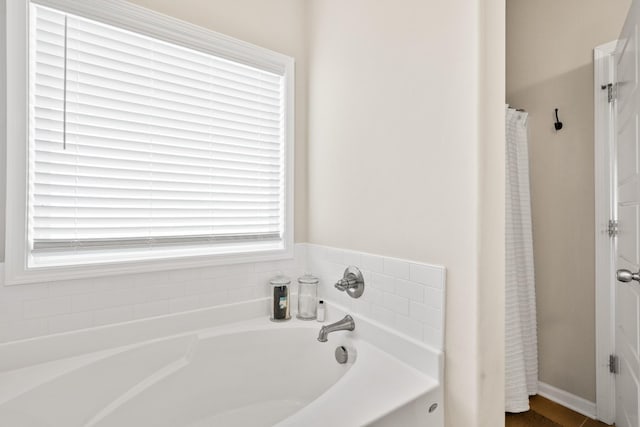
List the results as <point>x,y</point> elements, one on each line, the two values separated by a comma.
<point>216,368</point>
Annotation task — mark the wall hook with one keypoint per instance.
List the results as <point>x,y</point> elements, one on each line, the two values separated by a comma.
<point>558,123</point>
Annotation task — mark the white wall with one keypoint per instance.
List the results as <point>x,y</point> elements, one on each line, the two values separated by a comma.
<point>394,160</point>
<point>3,120</point>
<point>491,296</point>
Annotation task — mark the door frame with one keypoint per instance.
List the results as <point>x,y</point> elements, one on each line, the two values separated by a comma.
<point>604,163</point>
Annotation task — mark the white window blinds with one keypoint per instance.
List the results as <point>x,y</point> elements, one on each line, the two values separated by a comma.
<point>137,142</point>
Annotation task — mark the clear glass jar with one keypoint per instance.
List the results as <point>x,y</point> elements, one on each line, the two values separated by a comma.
<point>280,303</point>
<point>307,297</point>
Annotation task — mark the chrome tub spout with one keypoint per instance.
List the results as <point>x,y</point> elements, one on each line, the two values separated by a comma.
<point>346,324</point>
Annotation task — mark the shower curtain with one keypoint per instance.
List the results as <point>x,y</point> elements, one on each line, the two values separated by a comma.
<point>521,376</point>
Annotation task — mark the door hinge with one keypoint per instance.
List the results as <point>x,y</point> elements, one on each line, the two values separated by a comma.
<point>612,92</point>
<point>612,228</point>
<point>613,364</point>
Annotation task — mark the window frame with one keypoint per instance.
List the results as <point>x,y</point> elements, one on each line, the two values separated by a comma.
<point>135,18</point>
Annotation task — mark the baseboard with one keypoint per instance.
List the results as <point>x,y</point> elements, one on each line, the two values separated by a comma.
<point>568,400</point>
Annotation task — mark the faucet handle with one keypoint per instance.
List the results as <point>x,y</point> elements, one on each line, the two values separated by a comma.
<point>352,282</point>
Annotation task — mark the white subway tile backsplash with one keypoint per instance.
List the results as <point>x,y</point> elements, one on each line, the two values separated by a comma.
<point>328,273</point>
<point>275,267</point>
<point>287,267</point>
<point>383,315</point>
<point>186,303</point>
<point>38,309</point>
<point>198,301</point>
<point>372,295</point>
<point>433,297</point>
<point>373,263</point>
<point>300,255</point>
<point>70,322</point>
<point>352,258</point>
<point>216,298</point>
<point>262,278</point>
<point>427,315</point>
<point>402,295</point>
<point>398,305</point>
<point>410,327</point>
<point>427,274</point>
<point>25,292</point>
<point>315,253</point>
<point>433,337</point>
<point>186,275</point>
<point>150,309</point>
<point>10,311</point>
<point>163,292</point>
<point>113,315</point>
<point>204,286</point>
<point>46,307</point>
<point>335,256</point>
<point>71,287</point>
<point>383,282</point>
<point>17,330</point>
<point>413,291</point>
<point>246,293</point>
<point>105,300</point>
<point>363,308</point>
<point>150,279</point>
<point>396,268</point>
<point>340,297</point>
<point>110,284</point>
<point>81,303</point>
<point>237,269</point>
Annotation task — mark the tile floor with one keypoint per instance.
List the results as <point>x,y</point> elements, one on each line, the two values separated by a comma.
<point>553,412</point>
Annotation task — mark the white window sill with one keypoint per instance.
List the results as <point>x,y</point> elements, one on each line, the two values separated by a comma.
<point>107,265</point>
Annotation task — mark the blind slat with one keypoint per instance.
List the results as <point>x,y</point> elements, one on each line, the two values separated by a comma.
<point>155,134</point>
<point>193,222</point>
<point>68,179</point>
<point>75,244</point>
<point>160,166</point>
<point>86,57</point>
<point>54,102</point>
<point>161,174</point>
<point>50,129</point>
<point>114,212</point>
<point>160,153</point>
<point>132,94</point>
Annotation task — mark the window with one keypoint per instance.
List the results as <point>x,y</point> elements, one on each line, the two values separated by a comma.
<point>150,146</point>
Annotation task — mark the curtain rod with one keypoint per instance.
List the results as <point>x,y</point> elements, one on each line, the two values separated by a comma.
<point>521,110</point>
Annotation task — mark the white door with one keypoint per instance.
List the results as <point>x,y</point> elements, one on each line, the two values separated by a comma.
<point>627,252</point>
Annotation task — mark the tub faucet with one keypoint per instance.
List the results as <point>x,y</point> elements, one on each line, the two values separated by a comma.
<point>352,282</point>
<point>346,324</point>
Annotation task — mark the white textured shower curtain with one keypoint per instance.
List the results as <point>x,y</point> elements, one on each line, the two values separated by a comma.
<point>521,342</point>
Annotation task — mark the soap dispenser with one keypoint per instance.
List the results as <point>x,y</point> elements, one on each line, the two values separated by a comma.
<point>280,309</point>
